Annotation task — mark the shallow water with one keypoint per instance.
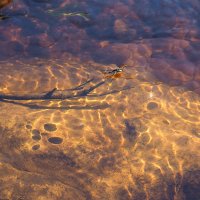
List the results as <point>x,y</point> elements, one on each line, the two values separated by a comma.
<point>130,135</point>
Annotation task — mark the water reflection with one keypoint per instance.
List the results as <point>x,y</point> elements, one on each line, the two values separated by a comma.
<point>129,135</point>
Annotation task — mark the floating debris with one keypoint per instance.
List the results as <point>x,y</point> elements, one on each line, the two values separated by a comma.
<point>3,17</point>
<point>84,15</point>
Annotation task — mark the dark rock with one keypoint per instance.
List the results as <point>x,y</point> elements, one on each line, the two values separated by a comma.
<point>35,147</point>
<point>55,140</point>
<point>50,127</point>
<point>152,105</point>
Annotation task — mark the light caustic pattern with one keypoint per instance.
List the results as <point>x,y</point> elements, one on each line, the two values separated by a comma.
<point>139,142</point>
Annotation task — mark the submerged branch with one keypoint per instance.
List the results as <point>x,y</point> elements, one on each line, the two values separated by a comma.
<point>81,91</point>
<point>55,94</point>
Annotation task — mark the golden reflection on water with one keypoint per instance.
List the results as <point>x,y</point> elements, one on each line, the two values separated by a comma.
<point>139,142</point>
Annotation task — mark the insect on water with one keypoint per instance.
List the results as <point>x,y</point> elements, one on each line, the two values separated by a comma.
<point>115,73</point>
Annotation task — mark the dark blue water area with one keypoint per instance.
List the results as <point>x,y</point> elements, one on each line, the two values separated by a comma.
<point>155,19</point>
<point>159,17</point>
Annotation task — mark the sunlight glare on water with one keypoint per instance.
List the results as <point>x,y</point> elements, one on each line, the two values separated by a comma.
<point>100,100</point>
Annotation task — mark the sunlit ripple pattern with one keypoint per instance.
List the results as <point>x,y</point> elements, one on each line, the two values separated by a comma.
<point>136,135</point>
<point>140,142</point>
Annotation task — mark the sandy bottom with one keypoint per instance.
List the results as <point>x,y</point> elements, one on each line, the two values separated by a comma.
<point>130,138</point>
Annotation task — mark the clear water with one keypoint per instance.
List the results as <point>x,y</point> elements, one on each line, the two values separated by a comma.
<point>124,135</point>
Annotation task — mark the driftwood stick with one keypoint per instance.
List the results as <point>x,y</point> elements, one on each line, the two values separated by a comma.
<point>86,92</point>
<point>55,94</point>
<point>49,94</point>
<point>81,86</point>
<point>40,96</point>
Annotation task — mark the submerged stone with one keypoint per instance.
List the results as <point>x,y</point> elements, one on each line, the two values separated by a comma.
<point>152,105</point>
<point>36,147</point>
<point>50,127</point>
<point>28,126</point>
<point>55,140</point>
<point>35,132</point>
<point>36,137</point>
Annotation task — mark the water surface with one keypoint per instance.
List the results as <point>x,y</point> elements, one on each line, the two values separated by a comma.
<point>130,135</point>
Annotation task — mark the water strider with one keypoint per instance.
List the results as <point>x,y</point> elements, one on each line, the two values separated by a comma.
<point>116,71</point>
